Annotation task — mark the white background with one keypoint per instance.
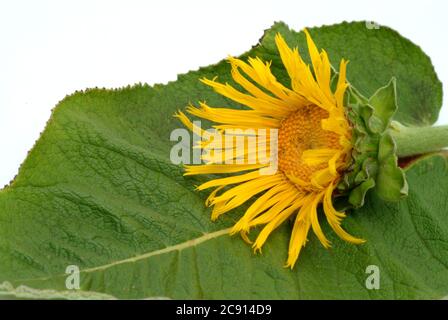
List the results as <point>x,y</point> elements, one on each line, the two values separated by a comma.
<point>49,49</point>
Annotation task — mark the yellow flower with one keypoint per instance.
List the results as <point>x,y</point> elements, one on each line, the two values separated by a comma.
<point>313,145</point>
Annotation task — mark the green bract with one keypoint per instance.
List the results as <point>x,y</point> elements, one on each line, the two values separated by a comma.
<point>375,163</point>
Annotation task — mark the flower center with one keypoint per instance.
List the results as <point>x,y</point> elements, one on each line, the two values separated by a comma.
<point>299,132</point>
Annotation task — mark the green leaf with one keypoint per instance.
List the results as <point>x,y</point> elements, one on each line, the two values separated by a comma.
<point>98,191</point>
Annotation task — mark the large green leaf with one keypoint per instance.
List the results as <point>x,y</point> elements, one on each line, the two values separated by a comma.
<point>98,191</point>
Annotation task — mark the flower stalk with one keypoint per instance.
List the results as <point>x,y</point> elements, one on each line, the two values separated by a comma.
<point>411,141</point>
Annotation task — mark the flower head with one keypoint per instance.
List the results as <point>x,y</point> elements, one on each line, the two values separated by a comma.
<point>312,143</point>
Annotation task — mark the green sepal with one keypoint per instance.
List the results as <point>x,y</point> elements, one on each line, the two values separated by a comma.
<point>374,160</point>
<point>391,181</point>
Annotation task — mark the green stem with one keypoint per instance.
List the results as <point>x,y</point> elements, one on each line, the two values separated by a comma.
<point>419,140</point>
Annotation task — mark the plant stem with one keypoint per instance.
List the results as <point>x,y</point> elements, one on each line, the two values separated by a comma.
<point>419,140</point>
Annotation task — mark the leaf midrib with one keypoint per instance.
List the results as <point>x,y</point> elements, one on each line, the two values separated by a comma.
<point>177,247</point>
